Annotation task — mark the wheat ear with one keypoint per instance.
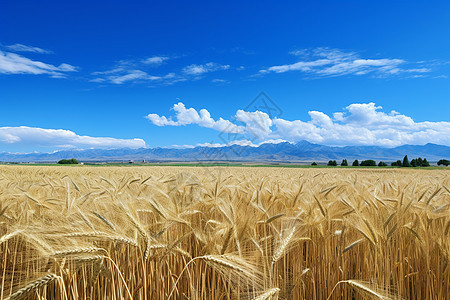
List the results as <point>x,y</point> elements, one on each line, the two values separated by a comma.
<point>268,294</point>
<point>25,291</point>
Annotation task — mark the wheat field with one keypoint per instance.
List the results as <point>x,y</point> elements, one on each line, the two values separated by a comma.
<point>223,233</point>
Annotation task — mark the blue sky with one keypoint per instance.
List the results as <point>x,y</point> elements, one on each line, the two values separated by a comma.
<point>91,74</point>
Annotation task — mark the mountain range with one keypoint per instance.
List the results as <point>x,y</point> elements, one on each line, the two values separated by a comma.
<point>302,151</point>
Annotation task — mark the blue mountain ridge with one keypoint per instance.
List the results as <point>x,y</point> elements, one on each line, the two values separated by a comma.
<point>302,151</point>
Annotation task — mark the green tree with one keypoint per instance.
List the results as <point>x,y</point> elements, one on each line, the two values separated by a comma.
<point>72,161</point>
<point>344,163</point>
<point>420,162</point>
<point>443,162</point>
<point>382,164</point>
<point>405,162</point>
<point>355,163</point>
<point>332,163</point>
<point>314,164</point>
<point>368,163</point>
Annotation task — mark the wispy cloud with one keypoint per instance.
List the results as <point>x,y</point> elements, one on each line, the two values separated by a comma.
<point>155,60</point>
<point>132,71</point>
<point>25,48</point>
<point>358,124</point>
<point>12,63</point>
<point>59,138</point>
<point>143,71</point>
<point>205,68</point>
<point>220,81</point>
<point>121,76</point>
<point>133,75</point>
<point>323,62</point>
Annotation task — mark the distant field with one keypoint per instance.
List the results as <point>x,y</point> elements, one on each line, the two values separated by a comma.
<point>180,232</point>
<point>230,164</point>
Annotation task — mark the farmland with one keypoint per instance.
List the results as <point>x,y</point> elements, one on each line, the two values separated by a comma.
<point>223,233</point>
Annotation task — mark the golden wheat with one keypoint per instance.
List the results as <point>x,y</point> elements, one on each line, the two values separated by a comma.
<point>223,233</point>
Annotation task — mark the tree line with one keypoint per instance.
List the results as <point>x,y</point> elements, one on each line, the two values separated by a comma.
<point>356,163</point>
<point>416,162</point>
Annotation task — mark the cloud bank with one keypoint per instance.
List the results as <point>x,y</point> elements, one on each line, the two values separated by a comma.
<point>358,124</point>
<point>315,63</point>
<point>60,138</point>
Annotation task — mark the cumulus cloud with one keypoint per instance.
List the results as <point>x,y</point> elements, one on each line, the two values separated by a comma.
<point>358,124</point>
<point>201,69</point>
<point>257,123</point>
<point>12,63</point>
<point>363,124</point>
<point>25,48</point>
<point>60,138</point>
<point>187,116</point>
<point>334,62</point>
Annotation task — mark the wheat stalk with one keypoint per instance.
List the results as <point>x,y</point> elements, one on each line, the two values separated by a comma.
<point>68,252</point>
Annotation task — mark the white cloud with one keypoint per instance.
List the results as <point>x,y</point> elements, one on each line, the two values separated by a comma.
<point>132,75</point>
<point>121,75</point>
<point>218,80</point>
<point>25,48</point>
<point>363,124</point>
<point>155,60</point>
<point>257,123</point>
<point>304,66</point>
<point>60,138</point>
<point>334,62</point>
<point>369,116</point>
<point>358,124</point>
<point>11,63</point>
<point>187,116</point>
<point>201,69</point>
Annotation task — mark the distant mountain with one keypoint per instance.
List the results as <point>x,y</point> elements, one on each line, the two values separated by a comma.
<point>282,152</point>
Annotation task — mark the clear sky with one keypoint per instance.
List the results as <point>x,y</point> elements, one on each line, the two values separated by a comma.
<point>110,74</point>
